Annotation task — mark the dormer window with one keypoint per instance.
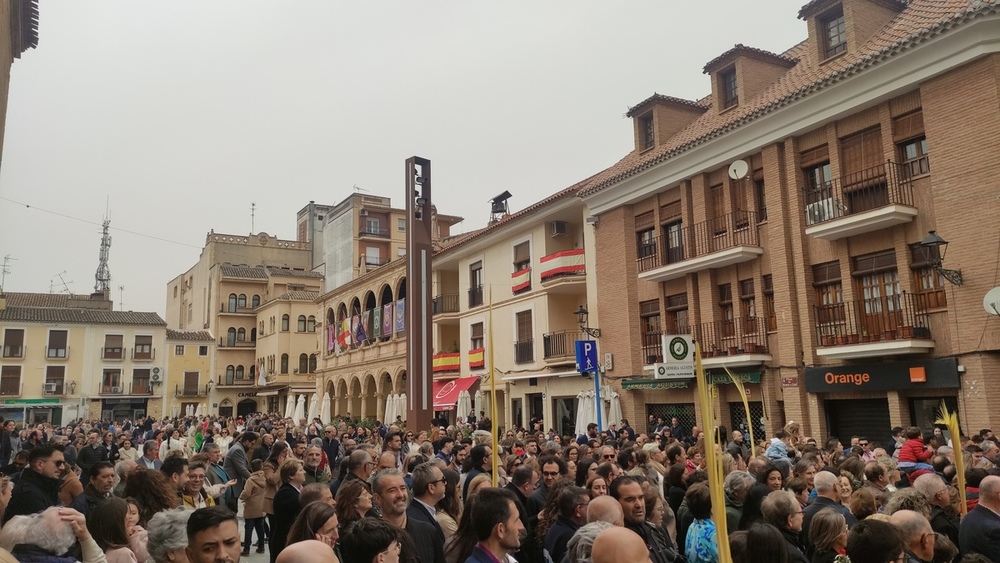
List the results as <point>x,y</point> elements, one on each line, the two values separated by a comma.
<point>834,33</point>
<point>646,131</point>
<point>730,95</point>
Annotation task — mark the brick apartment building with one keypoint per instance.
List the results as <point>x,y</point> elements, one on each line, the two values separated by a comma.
<point>801,269</point>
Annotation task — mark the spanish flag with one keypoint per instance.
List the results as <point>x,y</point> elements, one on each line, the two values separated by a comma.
<point>477,358</point>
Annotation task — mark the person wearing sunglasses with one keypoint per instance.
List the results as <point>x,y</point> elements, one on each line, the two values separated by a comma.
<point>38,487</point>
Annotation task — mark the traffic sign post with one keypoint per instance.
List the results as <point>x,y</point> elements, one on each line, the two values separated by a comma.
<point>586,362</point>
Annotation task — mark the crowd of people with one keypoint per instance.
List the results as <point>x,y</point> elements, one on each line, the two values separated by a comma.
<point>213,489</point>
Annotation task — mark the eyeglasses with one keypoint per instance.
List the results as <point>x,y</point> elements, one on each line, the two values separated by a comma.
<point>550,473</point>
<point>58,462</point>
<point>863,444</point>
<point>608,456</point>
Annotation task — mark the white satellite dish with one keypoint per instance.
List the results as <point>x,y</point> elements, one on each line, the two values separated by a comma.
<point>738,170</point>
<point>992,301</point>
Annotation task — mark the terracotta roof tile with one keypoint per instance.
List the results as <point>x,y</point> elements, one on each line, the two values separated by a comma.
<point>79,316</point>
<point>298,296</point>
<point>192,335</point>
<point>290,272</point>
<point>741,49</point>
<point>661,98</point>
<point>39,299</point>
<point>921,20</point>
<point>245,272</point>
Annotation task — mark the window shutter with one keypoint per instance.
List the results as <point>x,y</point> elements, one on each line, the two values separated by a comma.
<point>908,126</point>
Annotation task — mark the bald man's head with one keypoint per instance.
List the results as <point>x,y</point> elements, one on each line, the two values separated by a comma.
<point>605,509</point>
<point>309,550</point>
<point>916,531</point>
<point>989,493</point>
<point>619,544</point>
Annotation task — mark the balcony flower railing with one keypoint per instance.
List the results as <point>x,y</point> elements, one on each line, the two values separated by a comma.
<point>685,243</point>
<point>858,192</point>
<point>898,317</point>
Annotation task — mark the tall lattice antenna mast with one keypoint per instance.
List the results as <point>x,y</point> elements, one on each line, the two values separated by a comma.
<point>253,211</point>
<point>4,270</point>
<point>103,276</point>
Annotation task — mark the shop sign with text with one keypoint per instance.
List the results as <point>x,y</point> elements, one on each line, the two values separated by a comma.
<point>930,374</point>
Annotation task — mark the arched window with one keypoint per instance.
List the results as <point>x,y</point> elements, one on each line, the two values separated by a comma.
<point>241,334</point>
<point>241,301</point>
<point>312,363</point>
<point>272,324</point>
<point>230,372</point>
<point>303,363</point>
<point>253,335</point>
<point>262,328</point>
<point>232,302</point>
<point>284,323</point>
<point>231,337</point>
<point>239,372</point>
<point>301,325</point>
<point>255,300</point>
<point>311,324</point>
<point>284,363</point>
<point>253,371</point>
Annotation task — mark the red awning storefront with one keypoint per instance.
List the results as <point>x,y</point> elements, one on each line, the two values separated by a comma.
<point>446,392</point>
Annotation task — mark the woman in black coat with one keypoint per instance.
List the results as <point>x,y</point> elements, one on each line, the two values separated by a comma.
<point>286,503</point>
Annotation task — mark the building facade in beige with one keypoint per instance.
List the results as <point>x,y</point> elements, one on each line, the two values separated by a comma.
<point>223,294</point>
<point>188,378</point>
<point>361,369</point>
<point>779,222</point>
<point>289,333</point>
<point>66,357</point>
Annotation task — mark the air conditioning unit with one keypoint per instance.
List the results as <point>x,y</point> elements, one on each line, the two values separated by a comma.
<point>559,228</point>
<point>51,387</point>
<point>823,210</point>
<point>155,375</point>
<point>116,389</point>
<point>363,213</point>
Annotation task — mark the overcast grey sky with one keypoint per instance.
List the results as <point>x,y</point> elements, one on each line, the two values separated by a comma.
<point>182,113</point>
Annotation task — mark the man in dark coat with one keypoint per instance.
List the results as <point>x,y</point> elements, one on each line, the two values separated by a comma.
<point>331,447</point>
<point>102,481</point>
<point>389,493</point>
<point>523,481</point>
<point>980,529</point>
<point>286,509</point>
<point>236,464</point>
<point>428,489</point>
<point>481,463</point>
<point>38,487</point>
<point>572,504</point>
<point>90,454</point>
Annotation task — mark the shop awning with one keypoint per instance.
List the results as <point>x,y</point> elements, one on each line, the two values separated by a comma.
<point>521,376</point>
<point>446,392</point>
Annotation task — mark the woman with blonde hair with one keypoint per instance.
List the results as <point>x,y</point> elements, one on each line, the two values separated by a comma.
<point>828,535</point>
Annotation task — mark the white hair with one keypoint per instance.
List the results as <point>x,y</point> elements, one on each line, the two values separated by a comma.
<point>580,546</point>
<point>167,532</point>
<point>45,530</point>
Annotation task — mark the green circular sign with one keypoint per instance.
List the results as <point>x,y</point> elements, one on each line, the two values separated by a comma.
<point>678,348</point>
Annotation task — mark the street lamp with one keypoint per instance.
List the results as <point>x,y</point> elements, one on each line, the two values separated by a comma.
<point>581,317</point>
<point>934,248</point>
<point>72,387</point>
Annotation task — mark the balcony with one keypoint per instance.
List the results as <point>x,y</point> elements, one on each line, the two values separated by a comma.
<point>143,355</point>
<point>138,387</point>
<point>371,232</point>
<point>739,342</point>
<point>223,343</point>
<point>112,353</point>
<point>223,382</point>
<point>560,346</point>
<point>53,353</point>
<point>447,303</point>
<point>237,311</point>
<point>190,391</point>
<point>14,351</point>
<point>716,243</point>
<point>863,202</point>
<point>564,271</point>
<point>475,296</point>
<point>520,281</point>
<point>872,328</point>
<point>447,362</point>
<point>524,351</point>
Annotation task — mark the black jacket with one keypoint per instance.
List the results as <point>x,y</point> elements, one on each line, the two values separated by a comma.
<point>89,455</point>
<point>558,537</point>
<point>531,550</point>
<point>417,511</point>
<point>85,502</point>
<point>796,550</point>
<point>660,550</point>
<point>428,547</point>
<point>32,493</point>
<point>286,509</point>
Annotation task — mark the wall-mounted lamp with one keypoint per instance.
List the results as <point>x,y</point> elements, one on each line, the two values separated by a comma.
<point>210,384</point>
<point>72,387</point>
<point>581,317</point>
<point>934,248</point>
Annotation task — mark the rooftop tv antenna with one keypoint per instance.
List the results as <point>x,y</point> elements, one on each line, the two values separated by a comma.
<point>121,297</point>
<point>65,284</point>
<point>358,188</point>
<point>253,210</point>
<point>4,270</point>
<point>103,276</point>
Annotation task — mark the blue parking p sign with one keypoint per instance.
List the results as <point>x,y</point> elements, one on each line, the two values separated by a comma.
<point>586,356</point>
